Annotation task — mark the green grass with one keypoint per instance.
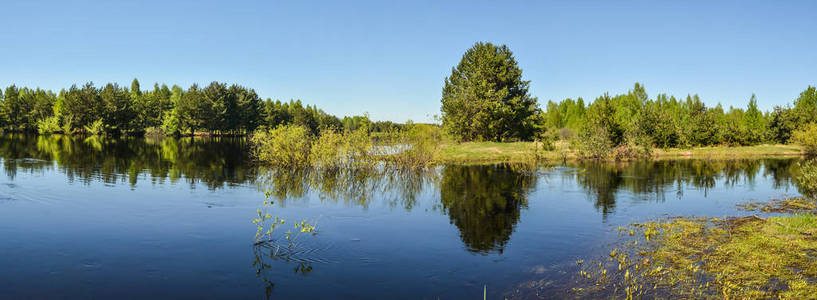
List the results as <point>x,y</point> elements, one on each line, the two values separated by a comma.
<point>730,152</point>
<point>491,152</point>
<point>486,152</point>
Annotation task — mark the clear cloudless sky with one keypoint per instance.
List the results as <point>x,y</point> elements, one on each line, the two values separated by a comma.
<point>389,58</point>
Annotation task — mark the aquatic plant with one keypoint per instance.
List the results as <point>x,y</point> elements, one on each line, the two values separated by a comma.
<point>748,257</point>
<point>786,205</point>
<point>266,234</point>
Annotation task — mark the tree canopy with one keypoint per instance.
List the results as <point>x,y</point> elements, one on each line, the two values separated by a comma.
<point>217,108</point>
<point>485,97</point>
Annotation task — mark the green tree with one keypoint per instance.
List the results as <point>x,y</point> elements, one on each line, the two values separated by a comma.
<point>118,112</point>
<point>755,123</point>
<point>805,106</point>
<point>485,97</point>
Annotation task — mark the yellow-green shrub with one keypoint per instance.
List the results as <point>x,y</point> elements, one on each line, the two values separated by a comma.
<point>329,150</point>
<point>807,137</point>
<point>284,146</point>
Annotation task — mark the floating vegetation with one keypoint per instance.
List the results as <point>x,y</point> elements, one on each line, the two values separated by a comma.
<point>787,205</point>
<point>697,258</point>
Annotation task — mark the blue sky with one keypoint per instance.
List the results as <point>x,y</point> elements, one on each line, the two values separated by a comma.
<point>389,58</point>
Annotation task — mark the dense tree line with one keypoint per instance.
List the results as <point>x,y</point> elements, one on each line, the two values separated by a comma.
<point>486,99</point>
<point>666,121</point>
<point>214,109</point>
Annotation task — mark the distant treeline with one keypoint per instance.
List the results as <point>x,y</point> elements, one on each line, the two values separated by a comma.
<point>666,121</point>
<point>486,99</point>
<point>217,109</point>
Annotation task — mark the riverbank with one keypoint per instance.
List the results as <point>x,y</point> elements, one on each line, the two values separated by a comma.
<point>489,152</point>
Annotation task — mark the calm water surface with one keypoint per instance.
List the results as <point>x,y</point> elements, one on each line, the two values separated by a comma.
<point>171,218</point>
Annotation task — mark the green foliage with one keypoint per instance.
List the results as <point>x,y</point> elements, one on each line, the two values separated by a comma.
<point>217,109</point>
<point>416,146</point>
<point>755,123</point>
<point>266,226</point>
<point>782,122</point>
<point>807,137</point>
<point>329,151</point>
<point>807,178</point>
<point>284,146</point>
<point>49,125</point>
<point>95,128</point>
<point>171,124</point>
<point>485,97</point>
<point>805,106</point>
<point>593,142</point>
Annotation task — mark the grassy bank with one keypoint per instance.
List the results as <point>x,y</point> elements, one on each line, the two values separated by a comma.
<point>487,152</point>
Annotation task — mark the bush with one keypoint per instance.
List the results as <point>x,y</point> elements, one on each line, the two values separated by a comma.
<point>154,132</point>
<point>807,137</point>
<point>49,125</point>
<point>416,146</point>
<point>284,146</point>
<point>95,128</point>
<point>807,178</point>
<point>593,142</point>
<point>635,146</point>
<point>329,151</point>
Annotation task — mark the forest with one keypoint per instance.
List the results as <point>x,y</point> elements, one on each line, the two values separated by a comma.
<point>216,109</point>
<point>627,125</point>
<point>666,121</point>
<point>486,99</point>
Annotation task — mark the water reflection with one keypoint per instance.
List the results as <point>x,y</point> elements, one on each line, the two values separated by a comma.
<point>355,187</point>
<point>654,180</point>
<point>484,203</point>
<point>267,258</point>
<point>213,161</point>
<point>486,206</point>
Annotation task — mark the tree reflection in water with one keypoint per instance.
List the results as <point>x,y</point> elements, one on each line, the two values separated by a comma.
<point>267,257</point>
<point>653,180</point>
<point>484,203</point>
<point>212,161</point>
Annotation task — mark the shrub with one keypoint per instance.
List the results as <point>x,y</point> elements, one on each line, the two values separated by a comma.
<point>328,151</point>
<point>49,125</point>
<point>416,146</point>
<point>95,128</point>
<point>593,142</point>
<point>154,132</point>
<point>284,146</point>
<point>635,146</point>
<point>807,137</point>
<point>807,178</point>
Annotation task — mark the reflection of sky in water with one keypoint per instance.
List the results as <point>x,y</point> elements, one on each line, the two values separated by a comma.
<point>172,219</point>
